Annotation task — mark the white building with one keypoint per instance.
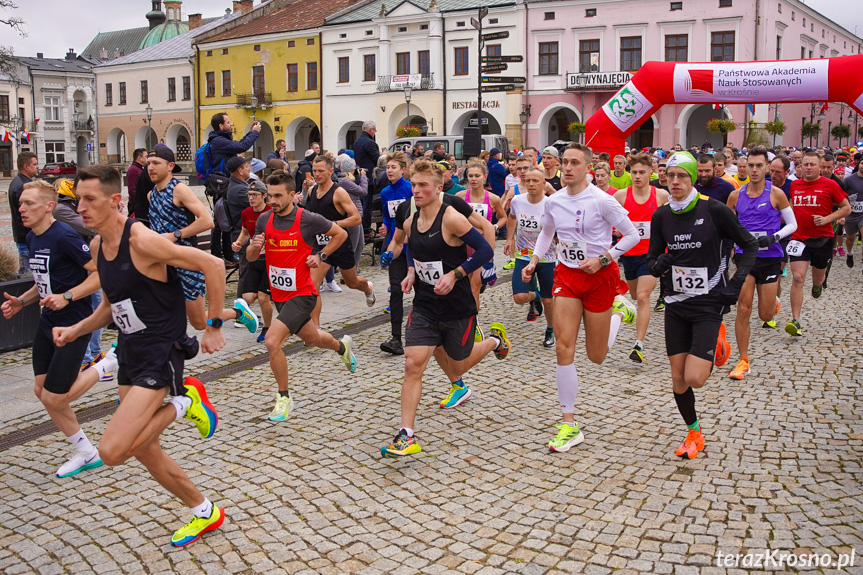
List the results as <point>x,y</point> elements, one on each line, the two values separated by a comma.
<point>16,109</point>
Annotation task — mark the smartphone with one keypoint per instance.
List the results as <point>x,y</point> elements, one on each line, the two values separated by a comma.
<point>309,176</point>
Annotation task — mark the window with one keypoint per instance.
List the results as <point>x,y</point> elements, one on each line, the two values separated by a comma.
<point>461,61</point>
<point>4,109</point>
<point>258,83</point>
<point>676,48</point>
<point>403,63</point>
<point>589,12</point>
<point>426,26</point>
<point>493,50</point>
<point>424,62</point>
<point>549,16</point>
<point>187,87</point>
<point>226,82</point>
<point>211,84</point>
<point>493,21</point>
<point>459,24</point>
<point>725,3</point>
<point>810,53</point>
<point>779,7</point>
<point>630,53</point>
<point>403,29</point>
<point>52,108</point>
<point>803,52</point>
<point>778,47</point>
<point>257,48</point>
<point>343,36</point>
<point>588,56</point>
<point>209,52</point>
<point>145,92</point>
<point>722,47</point>
<point>677,6</point>
<point>793,15</point>
<point>122,91</point>
<point>55,152</point>
<point>370,32</point>
<point>804,22</point>
<point>109,94</point>
<point>311,76</point>
<point>293,78</point>
<point>310,41</point>
<point>369,68</point>
<point>345,70</point>
<point>291,43</point>
<point>224,51</point>
<point>172,89</point>
<point>547,58</point>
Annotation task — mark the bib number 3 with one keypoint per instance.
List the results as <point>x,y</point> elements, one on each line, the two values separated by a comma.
<point>691,281</point>
<point>284,279</point>
<point>124,315</point>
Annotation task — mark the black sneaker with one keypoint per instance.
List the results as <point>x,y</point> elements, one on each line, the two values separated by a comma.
<point>817,289</point>
<point>849,261</point>
<point>538,306</point>
<point>549,339</point>
<point>531,311</point>
<point>660,305</point>
<point>393,346</point>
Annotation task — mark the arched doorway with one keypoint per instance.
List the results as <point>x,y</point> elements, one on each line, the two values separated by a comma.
<point>265,143</point>
<point>349,133</point>
<point>400,118</point>
<point>82,155</point>
<point>143,141</point>
<point>178,139</point>
<point>463,121</point>
<point>554,123</point>
<point>116,146</point>
<point>642,137</point>
<point>299,135</point>
<point>696,127</point>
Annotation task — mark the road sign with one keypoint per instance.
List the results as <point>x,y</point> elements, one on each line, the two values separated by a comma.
<point>500,88</point>
<point>503,79</point>
<point>474,123</point>
<point>494,68</point>
<point>483,12</point>
<point>495,36</point>
<point>89,147</point>
<point>475,23</point>
<point>500,59</point>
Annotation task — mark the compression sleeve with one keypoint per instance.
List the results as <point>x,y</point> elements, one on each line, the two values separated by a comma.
<point>629,240</point>
<point>406,250</point>
<point>790,222</point>
<point>483,252</point>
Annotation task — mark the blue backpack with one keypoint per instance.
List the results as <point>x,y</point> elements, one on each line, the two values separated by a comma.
<point>215,181</point>
<point>204,162</point>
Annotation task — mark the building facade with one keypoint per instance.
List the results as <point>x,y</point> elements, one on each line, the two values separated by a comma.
<point>16,119</point>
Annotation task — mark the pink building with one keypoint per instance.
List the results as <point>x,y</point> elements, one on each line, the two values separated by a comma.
<point>579,53</point>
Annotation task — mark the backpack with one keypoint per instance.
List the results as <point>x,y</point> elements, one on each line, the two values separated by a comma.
<point>204,162</point>
<point>220,214</point>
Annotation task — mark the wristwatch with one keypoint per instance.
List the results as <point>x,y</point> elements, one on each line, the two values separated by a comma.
<point>323,256</point>
<point>67,296</point>
<point>178,234</point>
<point>604,261</point>
<point>458,274</point>
<point>215,322</point>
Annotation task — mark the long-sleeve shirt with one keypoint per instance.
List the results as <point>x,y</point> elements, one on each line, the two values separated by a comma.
<point>357,189</point>
<point>391,197</point>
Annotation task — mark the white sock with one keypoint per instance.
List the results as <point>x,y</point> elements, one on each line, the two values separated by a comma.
<point>204,510</point>
<point>81,443</point>
<point>639,343</point>
<point>496,342</point>
<point>612,330</point>
<point>408,430</point>
<point>108,364</point>
<point>181,403</point>
<point>567,387</point>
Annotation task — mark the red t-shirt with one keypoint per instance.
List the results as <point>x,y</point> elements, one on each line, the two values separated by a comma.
<point>250,218</point>
<point>810,199</point>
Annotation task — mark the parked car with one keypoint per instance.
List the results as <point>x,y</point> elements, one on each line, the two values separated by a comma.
<point>452,144</point>
<point>58,170</point>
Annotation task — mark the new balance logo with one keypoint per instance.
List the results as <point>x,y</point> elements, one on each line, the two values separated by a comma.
<point>699,221</point>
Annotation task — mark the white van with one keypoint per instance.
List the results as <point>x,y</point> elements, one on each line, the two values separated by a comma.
<point>452,144</point>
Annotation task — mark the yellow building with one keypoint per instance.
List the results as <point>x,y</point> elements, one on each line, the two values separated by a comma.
<point>266,67</point>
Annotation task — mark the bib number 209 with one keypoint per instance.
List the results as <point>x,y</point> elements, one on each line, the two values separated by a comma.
<point>284,279</point>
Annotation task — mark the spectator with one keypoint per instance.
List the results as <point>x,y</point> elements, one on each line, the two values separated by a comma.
<point>141,207</point>
<point>496,173</point>
<point>28,168</point>
<point>275,164</point>
<point>139,164</point>
<point>279,152</point>
<point>355,182</point>
<point>238,198</point>
<point>304,169</point>
<point>366,154</point>
<point>438,152</point>
<point>222,144</point>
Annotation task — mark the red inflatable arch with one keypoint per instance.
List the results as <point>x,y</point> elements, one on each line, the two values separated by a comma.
<point>659,83</point>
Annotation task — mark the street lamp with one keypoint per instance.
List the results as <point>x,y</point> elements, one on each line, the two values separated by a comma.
<point>408,90</point>
<point>523,117</point>
<point>149,110</point>
<point>254,102</point>
<point>581,84</point>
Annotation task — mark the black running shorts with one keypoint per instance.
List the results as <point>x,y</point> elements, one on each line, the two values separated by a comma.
<point>255,278</point>
<point>455,335</point>
<point>161,368</point>
<point>693,328</point>
<point>296,312</point>
<point>819,252</point>
<point>59,365</point>
<point>765,270</point>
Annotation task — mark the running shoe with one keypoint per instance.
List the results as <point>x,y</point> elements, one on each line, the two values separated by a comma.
<point>262,337</point>
<point>201,412</point>
<point>509,265</point>
<point>637,354</point>
<point>531,311</point>
<point>538,306</point>
<point>284,405</point>
<point>370,298</point>
<point>739,371</point>
<point>793,328</point>
<point>849,260</point>
<point>238,324</point>
<point>110,362</point>
<point>567,437</point>
<point>94,361</point>
<point>548,341</point>
<point>333,286</point>
<point>499,331</point>
<point>785,272</point>
<point>723,348</point>
<point>769,324</point>
<point>247,316</point>
<point>402,445</point>
<point>457,395</point>
<point>387,309</point>
<point>778,306</point>
<point>660,305</point>
<point>348,358</point>
<point>624,306</point>
<point>840,251</point>
<point>80,462</point>
<point>478,334</point>
<point>693,443</point>
<point>192,531</point>
<point>393,346</point>
<point>818,290</point>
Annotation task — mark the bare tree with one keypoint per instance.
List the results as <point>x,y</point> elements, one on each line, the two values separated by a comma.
<point>8,61</point>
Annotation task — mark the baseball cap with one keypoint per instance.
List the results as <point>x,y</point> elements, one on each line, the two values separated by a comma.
<point>550,151</point>
<point>234,162</point>
<point>165,153</point>
<point>493,152</point>
<point>445,165</point>
<point>683,160</point>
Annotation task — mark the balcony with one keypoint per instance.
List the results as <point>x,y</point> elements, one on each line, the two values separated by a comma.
<point>264,99</point>
<point>385,83</point>
<point>87,126</point>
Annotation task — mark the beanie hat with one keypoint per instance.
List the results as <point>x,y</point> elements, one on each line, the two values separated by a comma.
<point>683,160</point>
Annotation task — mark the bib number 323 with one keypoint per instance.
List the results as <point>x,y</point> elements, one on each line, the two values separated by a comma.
<point>691,281</point>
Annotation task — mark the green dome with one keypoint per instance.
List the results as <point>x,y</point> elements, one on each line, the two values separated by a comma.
<point>162,32</point>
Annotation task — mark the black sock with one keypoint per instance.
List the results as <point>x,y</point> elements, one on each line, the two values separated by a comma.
<point>686,405</point>
<point>284,393</point>
<point>239,313</point>
<point>264,330</point>
<point>341,348</point>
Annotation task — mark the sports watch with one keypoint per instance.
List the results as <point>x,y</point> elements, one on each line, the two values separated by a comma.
<point>604,261</point>
<point>216,322</point>
<point>323,256</point>
<point>178,234</point>
<point>68,296</point>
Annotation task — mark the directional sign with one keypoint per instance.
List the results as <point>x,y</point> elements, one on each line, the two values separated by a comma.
<point>499,59</point>
<point>503,79</point>
<point>501,88</point>
<point>494,68</point>
<point>475,23</point>
<point>473,122</point>
<point>495,36</point>
<point>483,12</point>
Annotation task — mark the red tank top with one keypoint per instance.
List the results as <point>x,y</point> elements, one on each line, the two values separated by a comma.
<point>639,215</point>
<point>286,261</point>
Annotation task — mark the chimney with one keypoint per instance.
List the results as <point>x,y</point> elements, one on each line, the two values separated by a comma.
<point>103,54</point>
<point>243,6</point>
<point>195,21</point>
<point>40,55</point>
<point>71,55</point>
<point>116,52</point>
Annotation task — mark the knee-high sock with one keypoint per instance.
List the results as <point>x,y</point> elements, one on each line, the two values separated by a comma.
<point>686,405</point>
<point>612,329</point>
<point>567,387</point>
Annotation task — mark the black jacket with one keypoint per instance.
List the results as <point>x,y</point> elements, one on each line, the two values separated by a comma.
<point>304,167</point>
<point>237,202</point>
<point>366,152</point>
<point>19,231</point>
<point>142,204</point>
<point>223,146</point>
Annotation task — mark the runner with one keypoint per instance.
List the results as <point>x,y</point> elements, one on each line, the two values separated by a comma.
<point>444,313</point>
<point>854,221</point>
<point>719,163</point>
<point>551,166</point>
<point>780,177</point>
<point>742,175</point>
<point>602,175</point>
<point>708,184</point>
<point>620,179</point>
<point>760,207</point>
<point>526,218</point>
<point>178,215</point>
<point>812,198</point>
<point>59,260</point>
<point>291,234</point>
<point>640,200</point>
<point>144,296</point>
<point>586,280</point>
<point>693,228</point>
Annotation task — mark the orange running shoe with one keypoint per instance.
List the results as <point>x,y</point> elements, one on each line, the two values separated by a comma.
<point>693,443</point>
<point>723,348</point>
<point>778,305</point>
<point>739,371</point>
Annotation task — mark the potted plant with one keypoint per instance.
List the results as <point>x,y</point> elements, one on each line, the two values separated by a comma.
<point>18,331</point>
<point>860,131</point>
<point>576,128</point>
<point>721,126</point>
<point>408,132</point>
<point>776,127</point>
<point>840,131</point>
<point>810,129</point>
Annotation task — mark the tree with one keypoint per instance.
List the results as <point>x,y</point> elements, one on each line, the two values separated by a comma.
<point>8,61</point>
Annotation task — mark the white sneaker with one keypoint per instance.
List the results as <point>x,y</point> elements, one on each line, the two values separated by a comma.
<point>110,363</point>
<point>333,287</point>
<point>80,462</point>
<point>239,324</point>
<point>370,299</point>
<point>284,405</point>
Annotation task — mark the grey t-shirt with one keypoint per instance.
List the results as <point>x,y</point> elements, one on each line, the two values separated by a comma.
<point>854,185</point>
<point>311,225</point>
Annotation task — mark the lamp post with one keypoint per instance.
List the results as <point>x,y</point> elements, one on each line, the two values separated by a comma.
<point>408,90</point>
<point>581,84</point>
<point>850,116</point>
<point>15,122</point>
<point>149,110</point>
<point>254,103</point>
<point>523,117</point>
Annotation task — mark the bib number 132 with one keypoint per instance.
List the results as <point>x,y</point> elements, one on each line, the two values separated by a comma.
<point>691,281</point>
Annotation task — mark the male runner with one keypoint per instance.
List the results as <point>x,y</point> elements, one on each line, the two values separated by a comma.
<point>620,178</point>
<point>586,280</point>
<point>291,234</point>
<point>640,200</point>
<point>444,313</point>
<point>720,161</point>
<point>693,228</point>
<point>525,221</point>
<point>59,260</point>
<point>812,198</point>
<point>708,184</point>
<point>551,165</point>
<point>178,215</point>
<point>761,207</point>
<point>742,175</point>
<point>828,165</point>
<point>854,221</point>
<point>144,296</point>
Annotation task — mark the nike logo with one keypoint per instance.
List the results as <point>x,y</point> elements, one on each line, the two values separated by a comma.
<point>434,233</point>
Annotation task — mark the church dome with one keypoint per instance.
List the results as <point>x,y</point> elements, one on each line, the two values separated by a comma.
<point>162,32</point>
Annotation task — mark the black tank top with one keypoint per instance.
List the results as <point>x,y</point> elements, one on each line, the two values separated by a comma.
<point>433,258</point>
<point>327,208</point>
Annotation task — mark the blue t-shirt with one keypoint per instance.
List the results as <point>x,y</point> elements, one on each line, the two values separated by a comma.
<point>391,197</point>
<point>57,260</point>
<point>719,190</point>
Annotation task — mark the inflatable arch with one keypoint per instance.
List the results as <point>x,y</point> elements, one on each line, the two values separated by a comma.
<point>659,83</point>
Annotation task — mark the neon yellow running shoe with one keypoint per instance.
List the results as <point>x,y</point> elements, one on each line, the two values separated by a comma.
<point>624,306</point>
<point>499,331</point>
<point>201,412</point>
<point>509,265</point>
<point>192,531</point>
<point>567,436</point>
<point>402,445</point>
<point>478,334</point>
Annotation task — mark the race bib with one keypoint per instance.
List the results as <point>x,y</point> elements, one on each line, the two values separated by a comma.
<point>643,229</point>
<point>284,279</point>
<point>429,272</point>
<point>322,239</point>
<point>481,209</point>
<point>691,281</point>
<point>857,207</point>
<point>757,235</point>
<point>43,283</point>
<point>572,252</point>
<point>125,317</point>
<point>795,248</point>
<point>528,222</point>
<point>392,206</point>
